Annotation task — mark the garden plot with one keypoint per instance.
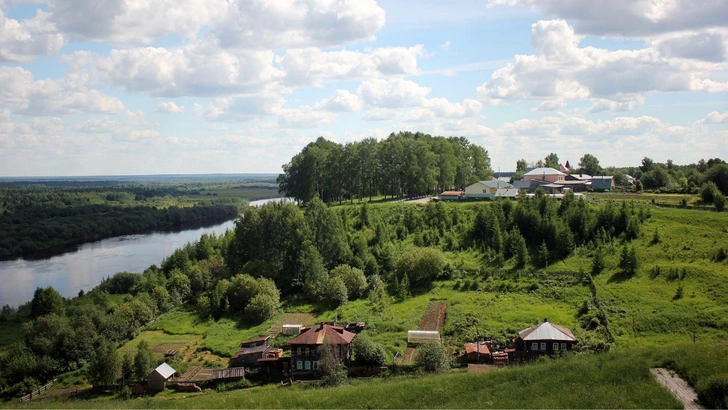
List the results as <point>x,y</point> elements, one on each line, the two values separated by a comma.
<point>434,317</point>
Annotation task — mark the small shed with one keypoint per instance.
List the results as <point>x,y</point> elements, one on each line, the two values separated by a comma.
<point>477,352</point>
<point>423,336</point>
<point>289,329</point>
<point>602,183</point>
<point>451,195</point>
<point>158,378</point>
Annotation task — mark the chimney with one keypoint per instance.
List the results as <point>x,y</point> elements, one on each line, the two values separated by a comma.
<point>321,326</point>
<point>545,320</point>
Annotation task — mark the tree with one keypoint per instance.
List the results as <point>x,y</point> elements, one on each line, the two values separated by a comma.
<point>313,272</point>
<point>127,368</point>
<point>354,279</point>
<point>262,307</point>
<point>552,161</point>
<point>422,265</point>
<point>597,262</point>
<point>142,361</point>
<point>432,358</point>
<point>47,301</point>
<point>104,366</point>
<point>333,372</point>
<point>521,252</point>
<point>543,255</point>
<point>719,202</point>
<point>718,174</point>
<point>709,192</point>
<point>589,164</point>
<point>336,292</point>
<point>366,352</point>
<point>647,164</point>
<point>628,261</point>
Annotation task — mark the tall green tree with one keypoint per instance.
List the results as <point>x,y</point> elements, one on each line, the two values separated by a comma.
<point>104,366</point>
<point>552,161</point>
<point>589,164</point>
<point>143,361</point>
<point>47,301</point>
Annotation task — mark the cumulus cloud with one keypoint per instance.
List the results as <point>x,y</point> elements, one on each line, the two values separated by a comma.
<point>395,93</point>
<point>707,46</point>
<point>715,118</point>
<point>22,41</point>
<point>341,101</point>
<point>198,69</point>
<point>632,18</point>
<point>134,21</point>
<point>297,24</point>
<point>170,107</point>
<point>25,95</point>
<point>312,66</point>
<point>614,80</point>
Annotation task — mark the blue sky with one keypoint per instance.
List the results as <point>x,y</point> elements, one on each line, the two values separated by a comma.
<point>217,86</point>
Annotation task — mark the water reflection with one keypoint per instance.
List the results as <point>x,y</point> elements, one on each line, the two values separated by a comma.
<point>84,268</point>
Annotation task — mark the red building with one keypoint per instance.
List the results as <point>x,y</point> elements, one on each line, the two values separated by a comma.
<point>304,347</point>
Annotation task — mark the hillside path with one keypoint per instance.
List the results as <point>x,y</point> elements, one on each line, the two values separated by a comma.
<point>678,387</point>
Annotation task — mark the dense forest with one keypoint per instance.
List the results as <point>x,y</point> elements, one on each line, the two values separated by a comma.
<point>404,164</point>
<point>317,254</point>
<point>40,218</point>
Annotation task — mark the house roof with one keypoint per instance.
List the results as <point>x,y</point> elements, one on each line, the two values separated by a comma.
<point>250,350</point>
<point>316,335</point>
<point>521,184</point>
<point>507,192</point>
<point>547,331</point>
<point>473,348</point>
<point>496,184</point>
<point>254,341</point>
<point>544,171</point>
<point>164,370</point>
<point>452,193</point>
<point>606,177</point>
<point>552,186</point>
<point>583,177</point>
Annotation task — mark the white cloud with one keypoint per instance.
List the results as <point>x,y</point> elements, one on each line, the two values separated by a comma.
<point>396,93</point>
<point>304,117</point>
<point>24,95</point>
<point>341,101</point>
<point>715,118</point>
<point>170,107</point>
<point>551,105</point>
<point>445,46</point>
<point>380,114</point>
<point>707,46</point>
<point>22,41</point>
<point>312,66</point>
<point>443,108</point>
<point>297,23</point>
<point>561,70</point>
<point>632,18</point>
<point>198,69</point>
<point>134,21</point>
<point>243,107</point>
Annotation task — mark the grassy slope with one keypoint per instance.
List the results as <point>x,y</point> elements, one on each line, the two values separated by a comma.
<point>575,382</point>
<point>642,312</point>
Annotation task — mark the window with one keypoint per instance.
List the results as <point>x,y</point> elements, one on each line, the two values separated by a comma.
<point>534,346</point>
<point>563,346</point>
<point>314,364</point>
<point>306,351</point>
<point>308,365</point>
<point>543,345</point>
<point>298,350</point>
<point>299,364</point>
<point>556,346</point>
<point>485,191</point>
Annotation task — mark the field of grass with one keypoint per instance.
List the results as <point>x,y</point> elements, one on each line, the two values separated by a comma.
<point>609,380</point>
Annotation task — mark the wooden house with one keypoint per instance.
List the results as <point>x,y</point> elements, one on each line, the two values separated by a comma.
<point>304,347</point>
<point>543,338</point>
<point>158,378</point>
<point>477,352</point>
<point>602,183</point>
<point>450,195</point>
<point>250,351</point>
<point>484,189</point>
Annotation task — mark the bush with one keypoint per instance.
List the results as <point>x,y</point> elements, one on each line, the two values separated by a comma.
<point>719,202</point>
<point>432,358</point>
<point>366,352</point>
<point>709,192</point>
<point>713,391</point>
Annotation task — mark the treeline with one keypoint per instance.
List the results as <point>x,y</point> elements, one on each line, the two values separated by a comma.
<point>42,230</point>
<point>402,165</point>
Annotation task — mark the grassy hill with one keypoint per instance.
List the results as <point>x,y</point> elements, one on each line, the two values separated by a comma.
<point>678,295</point>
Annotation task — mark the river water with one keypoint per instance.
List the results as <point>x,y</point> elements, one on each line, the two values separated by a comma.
<point>85,267</point>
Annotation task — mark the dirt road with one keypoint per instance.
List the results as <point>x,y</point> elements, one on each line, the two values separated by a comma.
<point>678,387</point>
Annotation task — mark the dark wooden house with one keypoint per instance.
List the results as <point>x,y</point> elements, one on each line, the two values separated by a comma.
<point>250,351</point>
<point>543,338</point>
<point>157,380</point>
<point>304,347</point>
<point>477,352</point>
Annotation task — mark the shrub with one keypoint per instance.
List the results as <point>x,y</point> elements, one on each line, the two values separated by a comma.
<point>432,358</point>
<point>719,202</point>
<point>366,352</point>
<point>713,391</point>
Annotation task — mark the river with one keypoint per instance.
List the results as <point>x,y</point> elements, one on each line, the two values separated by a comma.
<point>85,267</point>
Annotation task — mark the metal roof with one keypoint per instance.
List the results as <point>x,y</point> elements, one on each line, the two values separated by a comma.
<point>165,370</point>
<point>473,348</point>
<point>316,335</point>
<point>544,171</point>
<point>547,331</point>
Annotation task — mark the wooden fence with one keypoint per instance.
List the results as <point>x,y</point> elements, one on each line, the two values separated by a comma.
<point>36,393</point>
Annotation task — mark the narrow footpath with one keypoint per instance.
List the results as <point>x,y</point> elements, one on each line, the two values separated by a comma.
<point>678,387</point>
